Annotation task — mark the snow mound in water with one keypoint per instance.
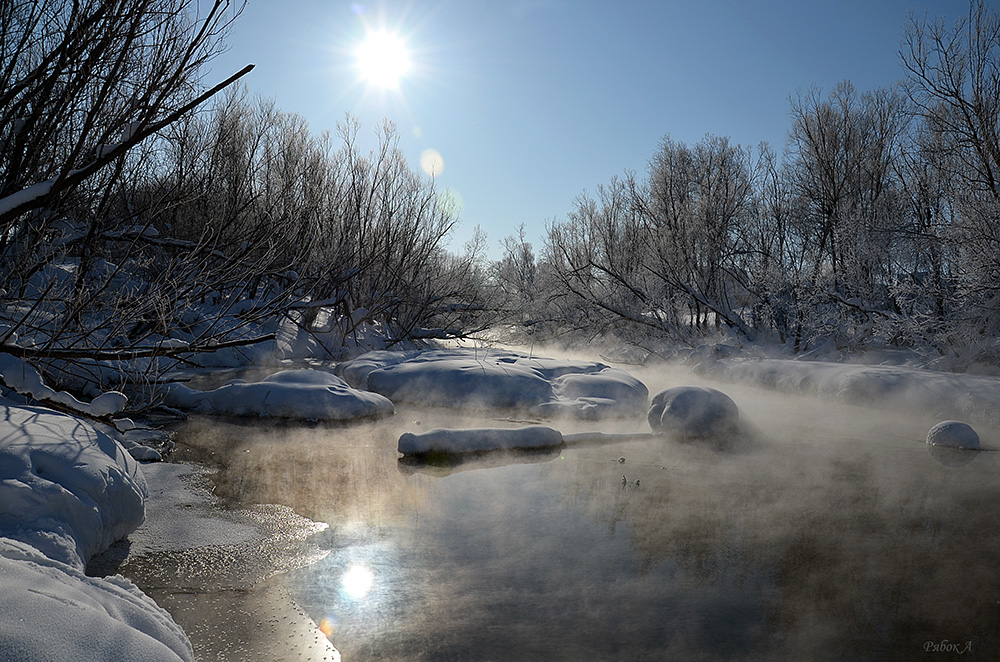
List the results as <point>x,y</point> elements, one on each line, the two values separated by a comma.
<point>65,487</point>
<point>954,434</point>
<point>693,411</point>
<point>53,612</point>
<point>478,440</point>
<point>296,394</point>
<point>498,379</point>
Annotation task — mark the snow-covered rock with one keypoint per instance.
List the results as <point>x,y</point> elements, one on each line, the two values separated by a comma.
<point>53,612</point>
<point>432,379</point>
<point>477,440</point>
<point>498,379</point>
<point>954,434</point>
<point>595,394</point>
<point>297,394</point>
<point>693,411</point>
<point>65,487</point>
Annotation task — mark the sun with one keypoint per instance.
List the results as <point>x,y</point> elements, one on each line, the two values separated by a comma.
<point>382,59</point>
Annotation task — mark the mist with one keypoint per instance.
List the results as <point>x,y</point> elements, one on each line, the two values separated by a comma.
<point>829,530</point>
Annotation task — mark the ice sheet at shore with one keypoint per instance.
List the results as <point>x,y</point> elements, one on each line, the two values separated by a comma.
<point>498,379</point>
<point>67,491</point>
<point>295,394</point>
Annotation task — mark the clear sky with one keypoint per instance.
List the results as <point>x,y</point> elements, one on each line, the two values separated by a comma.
<point>531,102</point>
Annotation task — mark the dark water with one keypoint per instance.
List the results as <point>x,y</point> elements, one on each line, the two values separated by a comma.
<point>830,532</point>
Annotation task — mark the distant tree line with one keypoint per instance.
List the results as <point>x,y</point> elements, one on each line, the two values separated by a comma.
<point>879,226</point>
<point>148,219</point>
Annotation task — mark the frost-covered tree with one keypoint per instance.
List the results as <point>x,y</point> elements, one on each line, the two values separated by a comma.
<point>84,87</point>
<point>953,80</point>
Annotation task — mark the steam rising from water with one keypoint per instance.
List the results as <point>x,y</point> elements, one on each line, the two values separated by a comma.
<point>833,524</point>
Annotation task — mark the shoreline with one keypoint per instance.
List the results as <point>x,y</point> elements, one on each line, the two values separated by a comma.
<point>214,569</point>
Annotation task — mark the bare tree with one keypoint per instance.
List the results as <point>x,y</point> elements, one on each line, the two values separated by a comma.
<point>83,84</point>
<point>954,82</point>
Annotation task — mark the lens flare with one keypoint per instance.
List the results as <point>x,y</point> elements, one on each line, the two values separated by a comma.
<point>327,626</point>
<point>450,201</point>
<point>432,162</point>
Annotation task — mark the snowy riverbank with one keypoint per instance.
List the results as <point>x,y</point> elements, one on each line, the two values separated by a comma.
<point>69,490</point>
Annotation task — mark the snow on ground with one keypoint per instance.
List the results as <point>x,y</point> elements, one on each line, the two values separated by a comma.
<point>66,488</point>
<point>54,612</point>
<point>67,492</point>
<point>498,379</point>
<point>296,394</point>
<point>24,379</point>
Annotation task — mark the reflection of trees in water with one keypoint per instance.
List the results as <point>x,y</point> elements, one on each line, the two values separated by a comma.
<point>854,553</point>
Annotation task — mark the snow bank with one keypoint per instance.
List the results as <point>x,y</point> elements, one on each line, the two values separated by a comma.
<point>297,394</point>
<point>53,612</point>
<point>65,487</point>
<point>693,411</point>
<point>67,491</point>
<point>478,440</point>
<point>498,379</point>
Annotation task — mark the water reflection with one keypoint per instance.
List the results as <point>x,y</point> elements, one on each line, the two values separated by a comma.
<point>834,535</point>
<point>357,581</point>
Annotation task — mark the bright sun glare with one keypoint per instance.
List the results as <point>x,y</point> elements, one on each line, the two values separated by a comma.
<point>358,581</point>
<point>383,59</point>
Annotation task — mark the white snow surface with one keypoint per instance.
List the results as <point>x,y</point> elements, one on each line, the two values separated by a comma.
<point>53,612</point>
<point>474,440</point>
<point>65,487</point>
<point>67,492</point>
<point>955,434</point>
<point>296,394</point>
<point>24,379</point>
<point>498,379</point>
<point>692,411</point>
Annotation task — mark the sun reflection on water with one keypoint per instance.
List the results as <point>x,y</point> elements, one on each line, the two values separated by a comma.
<point>357,581</point>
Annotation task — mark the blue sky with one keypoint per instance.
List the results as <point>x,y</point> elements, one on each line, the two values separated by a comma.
<point>531,102</point>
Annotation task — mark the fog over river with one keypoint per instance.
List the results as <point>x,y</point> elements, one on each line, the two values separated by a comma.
<point>828,531</point>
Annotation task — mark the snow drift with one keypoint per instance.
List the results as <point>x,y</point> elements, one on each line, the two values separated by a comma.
<point>65,487</point>
<point>295,394</point>
<point>498,379</point>
<point>57,613</point>
<point>67,492</point>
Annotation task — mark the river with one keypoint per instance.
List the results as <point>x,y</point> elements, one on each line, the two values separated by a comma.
<point>829,532</point>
